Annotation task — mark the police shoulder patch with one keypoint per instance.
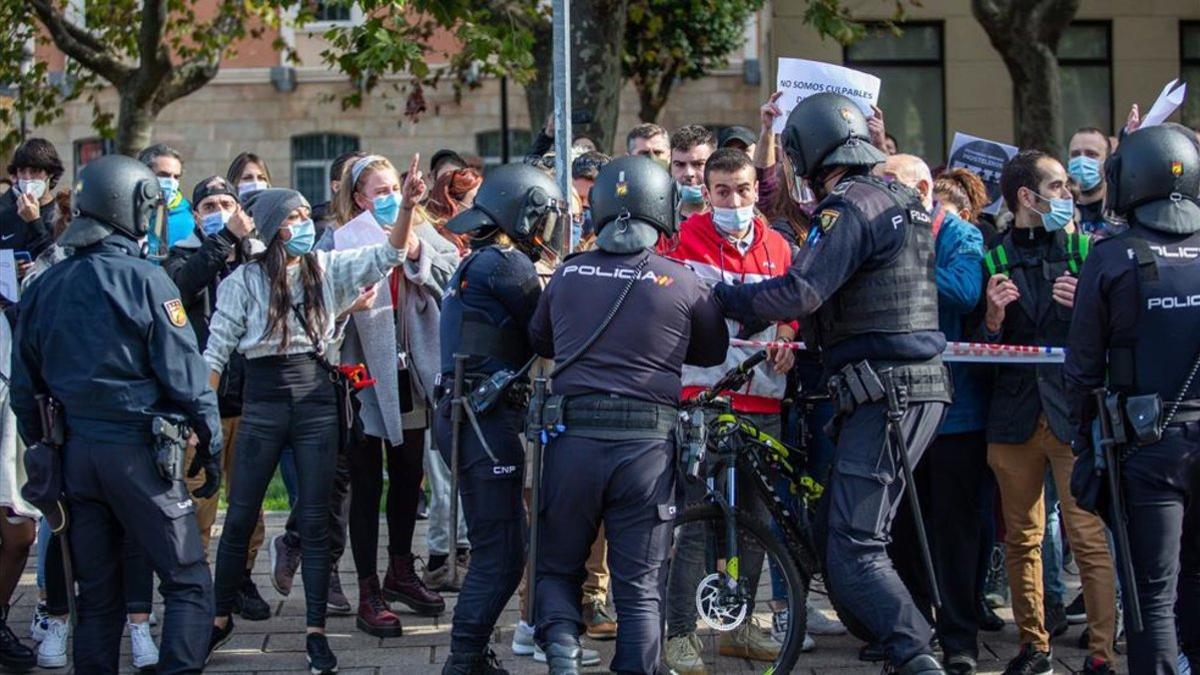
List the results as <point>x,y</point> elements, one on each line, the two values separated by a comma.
<point>175,313</point>
<point>827,218</point>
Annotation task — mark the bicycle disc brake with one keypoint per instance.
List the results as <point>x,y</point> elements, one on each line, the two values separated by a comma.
<point>719,607</point>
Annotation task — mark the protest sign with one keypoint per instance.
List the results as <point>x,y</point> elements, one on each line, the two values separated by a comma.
<point>983,158</point>
<point>799,78</point>
<point>8,276</point>
<point>1168,102</point>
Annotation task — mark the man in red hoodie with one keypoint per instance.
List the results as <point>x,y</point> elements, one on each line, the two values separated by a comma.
<point>730,243</point>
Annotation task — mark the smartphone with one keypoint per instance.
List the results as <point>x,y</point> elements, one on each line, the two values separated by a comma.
<point>22,257</point>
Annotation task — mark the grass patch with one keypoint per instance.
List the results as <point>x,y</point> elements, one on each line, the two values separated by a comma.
<point>276,498</point>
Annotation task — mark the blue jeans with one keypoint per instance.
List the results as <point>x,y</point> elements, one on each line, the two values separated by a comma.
<point>1052,547</point>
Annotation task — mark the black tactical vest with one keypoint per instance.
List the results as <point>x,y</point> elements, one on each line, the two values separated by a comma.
<point>899,296</point>
<point>1168,327</point>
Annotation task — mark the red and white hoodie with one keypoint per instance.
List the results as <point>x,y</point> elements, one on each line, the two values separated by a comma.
<point>715,258</point>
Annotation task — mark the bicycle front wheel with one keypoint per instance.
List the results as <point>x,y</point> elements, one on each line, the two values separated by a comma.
<point>725,613</point>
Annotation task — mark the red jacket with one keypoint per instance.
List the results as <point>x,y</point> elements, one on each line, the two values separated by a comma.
<point>714,258</point>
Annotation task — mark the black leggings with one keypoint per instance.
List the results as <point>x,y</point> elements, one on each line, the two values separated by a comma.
<point>405,466</point>
<point>289,402</point>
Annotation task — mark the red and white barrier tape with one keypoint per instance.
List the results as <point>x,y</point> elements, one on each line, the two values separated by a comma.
<point>962,352</point>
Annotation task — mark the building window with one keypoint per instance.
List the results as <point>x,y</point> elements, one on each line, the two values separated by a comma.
<point>312,154</point>
<point>913,94</point>
<point>1189,69</point>
<point>332,12</point>
<point>1085,71</point>
<point>487,144</point>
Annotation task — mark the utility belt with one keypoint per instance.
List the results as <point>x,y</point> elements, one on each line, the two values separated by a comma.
<point>603,417</point>
<point>484,392</point>
<point>1138,421</point>
<point>858,384</point>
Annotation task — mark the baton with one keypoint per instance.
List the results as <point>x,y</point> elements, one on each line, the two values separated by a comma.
<point>456,420</point>
<point>1119,529</point>
<point>895,417</point>
<point>535,498</point>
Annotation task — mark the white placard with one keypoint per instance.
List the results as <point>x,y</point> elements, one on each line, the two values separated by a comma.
<point>362,230</point>
<point>1168,102</point>
<point>800,78</point>
<point>983,158</point>
<point>8,276</point>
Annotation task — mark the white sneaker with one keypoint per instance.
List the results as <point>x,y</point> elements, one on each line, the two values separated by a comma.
<point>591,657</point>
<point>52,652</point>
<point>809,644</point>
<point>144,651</point>
<point>779,628</point>
<point>40,623</point>
<point>522,642</point>
<point>819,624</point>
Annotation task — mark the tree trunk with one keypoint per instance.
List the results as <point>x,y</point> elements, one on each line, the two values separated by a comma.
<point>538,97</point>
<point>653,94</point>
<point>1037,98</point>
<point>597,43</point>
<point>135,124</point>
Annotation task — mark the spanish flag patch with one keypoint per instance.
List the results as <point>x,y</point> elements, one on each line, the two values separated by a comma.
<point>175,313</point>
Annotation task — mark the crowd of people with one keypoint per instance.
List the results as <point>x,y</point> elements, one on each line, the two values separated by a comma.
<point>323,341</point>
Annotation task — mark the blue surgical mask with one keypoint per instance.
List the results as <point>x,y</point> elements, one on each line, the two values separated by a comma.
<point>212,223</point>
<point>731,220</point>
<point>169,187</point>
<point>1061,212</point>
<point>691,194</point>
<point>304,235</point>
<point>386,209</point>
<point>1085,171</point>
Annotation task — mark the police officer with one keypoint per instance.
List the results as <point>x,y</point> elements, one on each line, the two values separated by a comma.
<point>485,316</point>
<point>105,334</point>
<point>614,463</point>
<point>867,281</point>
<point>1137,317</point>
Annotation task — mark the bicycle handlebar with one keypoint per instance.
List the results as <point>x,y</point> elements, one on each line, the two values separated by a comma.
<point>732,380</point>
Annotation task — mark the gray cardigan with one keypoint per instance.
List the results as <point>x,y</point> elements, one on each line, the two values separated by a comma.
<point>376,335</point>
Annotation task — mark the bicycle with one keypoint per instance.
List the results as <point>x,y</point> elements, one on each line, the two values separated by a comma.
<point>721,446</point>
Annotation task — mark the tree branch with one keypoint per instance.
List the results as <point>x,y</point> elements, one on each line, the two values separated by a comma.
<point>153,52</point>
<point>186,78</point>
<point>80,45</point>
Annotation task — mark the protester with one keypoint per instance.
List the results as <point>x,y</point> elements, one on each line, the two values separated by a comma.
<point>951,476</point>
<point>452,192</point>
<point>278,311</point>
<point>249,173</point>
<point>324,218</point>
<point>1033,266</point>
<point>28,211</point>
<point>690,147</point>
<point>649,140</point>
<point>1086,153</point>
<point>395,411</point>
<point>444,161</point>
<point>583,176</point>
<point>738,137</point>
<point>167,164</point>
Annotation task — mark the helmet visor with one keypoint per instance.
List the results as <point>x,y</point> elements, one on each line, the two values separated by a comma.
<point>156,232</point>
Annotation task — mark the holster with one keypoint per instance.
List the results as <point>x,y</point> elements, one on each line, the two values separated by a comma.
<point>45,485</point>
<point>858,384</point>
<point>170,444</point>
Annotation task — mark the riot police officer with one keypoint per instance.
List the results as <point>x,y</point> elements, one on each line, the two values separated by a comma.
<point>865,293</point>
<point>485,315</point>
<point>613,458</point>
<point>1137,318</point>
<point>104,333</point>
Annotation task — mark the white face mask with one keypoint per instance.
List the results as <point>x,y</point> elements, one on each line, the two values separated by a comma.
<point>733,221</point>
<point>246,187</point>
<point>33,186</point>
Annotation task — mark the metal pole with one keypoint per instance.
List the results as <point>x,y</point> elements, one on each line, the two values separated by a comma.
<point>456,420</point>
<point>504,149</point>
<point>562,98</point>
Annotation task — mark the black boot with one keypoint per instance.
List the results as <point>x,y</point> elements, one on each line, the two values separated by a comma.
<point>921,664</point>
<point>473,664</point>
<point>989,621</point>
<point>14,656</point>
<point>564,659</point>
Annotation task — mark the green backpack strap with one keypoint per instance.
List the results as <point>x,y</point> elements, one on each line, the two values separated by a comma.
<point>1077,248</point>
<point>996,261</point>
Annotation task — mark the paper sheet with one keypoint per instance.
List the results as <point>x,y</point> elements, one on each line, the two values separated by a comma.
<point>799,78</point>
<point>359,232</point>
<point>8,276</point>
<point>983,158</point>
<point>1168,102</point>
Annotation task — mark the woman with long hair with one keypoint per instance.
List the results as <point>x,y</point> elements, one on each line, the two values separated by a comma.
<point>398,341</point>
<point>279,310</point>
<point>249,173</point>
<point>453,192</point>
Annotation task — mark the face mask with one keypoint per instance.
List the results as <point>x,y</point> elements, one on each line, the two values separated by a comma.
<point>169,186</point>
<point>386,209</point>
<point>691,194</point>
<point>213,222</point>
<point>246,187</point>
<point>733,221</point>
<point>35,187</point>
<point>1085,171</point>
<point>1061,212</point>
<point>304,235</point>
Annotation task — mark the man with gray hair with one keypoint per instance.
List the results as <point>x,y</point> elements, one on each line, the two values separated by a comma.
<point>167,164</point>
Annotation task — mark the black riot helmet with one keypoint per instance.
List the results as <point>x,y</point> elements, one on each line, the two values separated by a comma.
<point>1159,162</point>
<point>118,193</point>
<point>521,200</point>
<point>634,188</point>
<point>827,130</point>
